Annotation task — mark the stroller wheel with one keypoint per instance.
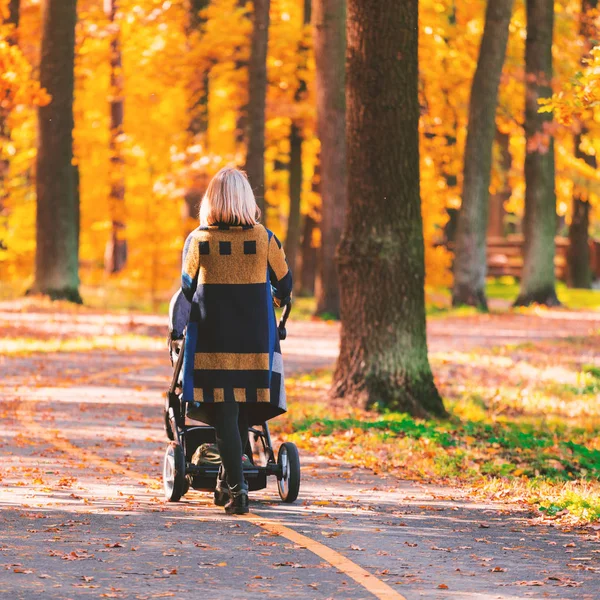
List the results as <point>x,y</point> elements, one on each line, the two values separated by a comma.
<point>174,482</point>
<point>289,461</point>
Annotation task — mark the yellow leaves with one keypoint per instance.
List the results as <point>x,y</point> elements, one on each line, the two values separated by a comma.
<point>580,95</point>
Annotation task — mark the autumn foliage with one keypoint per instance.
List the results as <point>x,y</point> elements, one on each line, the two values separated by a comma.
<point>174,74</point>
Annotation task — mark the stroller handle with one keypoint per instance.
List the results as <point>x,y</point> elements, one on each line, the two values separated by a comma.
<point>287,309</point>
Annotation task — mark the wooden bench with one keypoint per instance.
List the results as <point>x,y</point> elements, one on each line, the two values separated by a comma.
<point>505,256</point>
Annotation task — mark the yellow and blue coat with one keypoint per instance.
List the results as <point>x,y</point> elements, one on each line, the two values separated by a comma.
<point>232,275</point>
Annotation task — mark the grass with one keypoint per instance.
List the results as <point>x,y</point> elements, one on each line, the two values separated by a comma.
<point>524,428</point>
<point>506,288</point>
<point>502,288</point>
<point>117,296</point>
<point>24,345</point>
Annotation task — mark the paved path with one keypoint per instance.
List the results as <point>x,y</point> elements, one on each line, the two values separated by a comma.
<point>82,515</point>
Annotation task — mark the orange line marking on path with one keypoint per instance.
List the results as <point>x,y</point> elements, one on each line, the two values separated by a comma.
<point>378,588</point>
<point>372,584</point>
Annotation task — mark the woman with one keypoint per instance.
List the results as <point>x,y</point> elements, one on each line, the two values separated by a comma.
<point>233,271</point>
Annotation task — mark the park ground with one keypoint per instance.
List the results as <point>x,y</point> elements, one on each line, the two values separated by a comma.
<point>500,501</point>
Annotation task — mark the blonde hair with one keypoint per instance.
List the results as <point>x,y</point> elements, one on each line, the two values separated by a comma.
<point>229,199</point>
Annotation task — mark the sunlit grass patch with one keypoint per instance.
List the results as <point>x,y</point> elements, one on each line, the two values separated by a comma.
<point>506,288</point>
<point>27,345</point>
<point>525,422</point>
<point>577,499</point>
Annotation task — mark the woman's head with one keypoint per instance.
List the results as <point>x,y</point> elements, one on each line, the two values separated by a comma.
<point>229,199</point>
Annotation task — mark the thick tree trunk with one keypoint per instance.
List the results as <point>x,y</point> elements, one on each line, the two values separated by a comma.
<point>579,271</point>
<point>115,255</point>
<point>257,95</point>
<point>495,226</point>
<point>539,223</point>
<point>57,252</point>
<point>329,18</point>
<point>292,239</point>
<point>470,260</point>
<point>383,356</point>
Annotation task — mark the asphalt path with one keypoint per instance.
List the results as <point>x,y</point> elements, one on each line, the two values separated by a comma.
<point>82,513</point>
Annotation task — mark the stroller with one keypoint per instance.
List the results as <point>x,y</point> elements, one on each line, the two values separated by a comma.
<point>192,459</point>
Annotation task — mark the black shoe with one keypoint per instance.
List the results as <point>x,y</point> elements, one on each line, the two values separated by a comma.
<point>238,504</point>
<point>221,489</point>
<point>221,497</point>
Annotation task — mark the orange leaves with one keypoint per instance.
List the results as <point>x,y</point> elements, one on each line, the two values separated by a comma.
<point>74,555</point>
<point>17,86</point>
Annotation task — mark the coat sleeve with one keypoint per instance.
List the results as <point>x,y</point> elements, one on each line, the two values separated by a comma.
<point>190,265</point>
<point>279,273</point>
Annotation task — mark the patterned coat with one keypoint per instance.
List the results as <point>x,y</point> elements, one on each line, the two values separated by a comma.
<point>232,275</point>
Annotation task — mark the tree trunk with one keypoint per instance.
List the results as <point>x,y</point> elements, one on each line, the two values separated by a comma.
<point>57,252</point>
<point>495,226</point>
<point>470,260</point>
<point>578,256</point>
<point>292,239</point>
<point>14,12</point>
<point>257,95</point>
<point>115,255</point>
<point>579,268</point>
<point>329,19</point>
<point>539,222</point>
<point>383,356</point>
<point>241,128</point>
<point>198,108</point>
<point>305,284</point>
<point>198,124</point>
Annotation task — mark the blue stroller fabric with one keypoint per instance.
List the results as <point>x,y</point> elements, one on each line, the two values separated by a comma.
<point>179,314</point>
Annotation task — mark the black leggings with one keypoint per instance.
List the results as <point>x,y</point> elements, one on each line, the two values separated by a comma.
<point>231,427</point>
